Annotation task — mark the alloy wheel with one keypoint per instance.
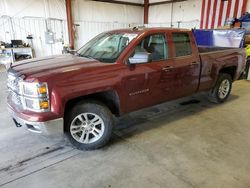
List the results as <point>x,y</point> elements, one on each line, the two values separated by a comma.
<point>224,89</point>
<point>87,128</point>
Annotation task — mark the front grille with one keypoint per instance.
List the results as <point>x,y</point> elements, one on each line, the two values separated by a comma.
<point>13,83</point>
<point>14,90</point>
<point>15,98</point>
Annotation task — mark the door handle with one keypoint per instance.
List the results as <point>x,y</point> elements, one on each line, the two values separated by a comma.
<point>194,63</point>
<point>167,68</point>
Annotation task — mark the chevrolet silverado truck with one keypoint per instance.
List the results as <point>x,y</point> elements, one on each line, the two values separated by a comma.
<point>116,72</point>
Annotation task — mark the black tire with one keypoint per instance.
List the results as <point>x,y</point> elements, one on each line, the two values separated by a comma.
<point>89,107</point>
<point>214,95</point>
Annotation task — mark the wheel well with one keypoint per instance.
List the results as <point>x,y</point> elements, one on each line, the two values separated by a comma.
<point>229,70</point>
<point>108,98</point>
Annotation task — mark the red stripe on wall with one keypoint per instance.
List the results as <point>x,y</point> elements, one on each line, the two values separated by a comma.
<point>228,8</point>
<point>202,13</point>
<point>208,10</point>
<point>244,6</point>
<point>236,6</point>
<point>214,13</point>
<point>220,13</point>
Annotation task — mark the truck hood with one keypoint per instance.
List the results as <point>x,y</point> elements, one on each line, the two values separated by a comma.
<point>40,67</point>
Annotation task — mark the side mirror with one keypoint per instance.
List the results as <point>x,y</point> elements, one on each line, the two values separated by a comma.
<point>67,50</point>
<point>140,57</point>
<point>73,52</point>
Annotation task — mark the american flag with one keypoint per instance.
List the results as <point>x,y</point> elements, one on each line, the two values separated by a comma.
<point>215,12</point>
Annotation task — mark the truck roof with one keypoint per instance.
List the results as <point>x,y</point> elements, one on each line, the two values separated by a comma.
<point>144,29</point>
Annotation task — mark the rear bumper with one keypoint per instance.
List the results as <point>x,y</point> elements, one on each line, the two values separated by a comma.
<point>50,128</point>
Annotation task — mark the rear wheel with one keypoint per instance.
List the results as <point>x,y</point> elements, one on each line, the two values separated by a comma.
<point>89,125</point>
<point>222,89</point>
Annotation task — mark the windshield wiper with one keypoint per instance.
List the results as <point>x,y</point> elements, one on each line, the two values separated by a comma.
<point>87,56</point>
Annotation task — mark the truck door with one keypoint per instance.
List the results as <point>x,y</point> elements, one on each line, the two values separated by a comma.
<point>173,72</point>
<point>181,75</point>
<point>143,82</point>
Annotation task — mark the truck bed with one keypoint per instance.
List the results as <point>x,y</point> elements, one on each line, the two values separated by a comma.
<point>206,49</point>
<point>213,57</point>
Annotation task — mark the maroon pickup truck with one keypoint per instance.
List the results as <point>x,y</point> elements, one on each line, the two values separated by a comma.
<point>115,73</point>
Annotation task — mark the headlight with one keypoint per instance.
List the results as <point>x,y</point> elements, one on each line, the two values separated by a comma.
<point>35,96</point>
<point>35,89</point>
<point>37,104</point>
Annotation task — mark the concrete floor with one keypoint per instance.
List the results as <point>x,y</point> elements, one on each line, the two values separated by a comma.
<point>170,145</point>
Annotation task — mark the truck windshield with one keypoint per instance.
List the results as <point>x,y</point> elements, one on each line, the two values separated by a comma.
<point>106,47</point>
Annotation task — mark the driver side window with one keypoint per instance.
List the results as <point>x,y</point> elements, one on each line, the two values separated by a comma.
<point>155,45</point>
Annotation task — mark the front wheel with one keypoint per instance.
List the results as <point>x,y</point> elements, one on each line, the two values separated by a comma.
<point>222,88</point>
<point>89,125</point>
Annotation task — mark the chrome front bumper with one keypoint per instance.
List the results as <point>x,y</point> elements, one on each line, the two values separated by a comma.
<point>50,128</point>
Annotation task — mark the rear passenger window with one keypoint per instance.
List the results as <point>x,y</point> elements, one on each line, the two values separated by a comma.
<point>182,44</point>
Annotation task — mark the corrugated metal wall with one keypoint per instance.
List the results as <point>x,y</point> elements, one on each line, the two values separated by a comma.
<point>20,28</point>
<point>186,14</point>
<point>181,24</point>
<point>87,30</point>
<point>29,17</point>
